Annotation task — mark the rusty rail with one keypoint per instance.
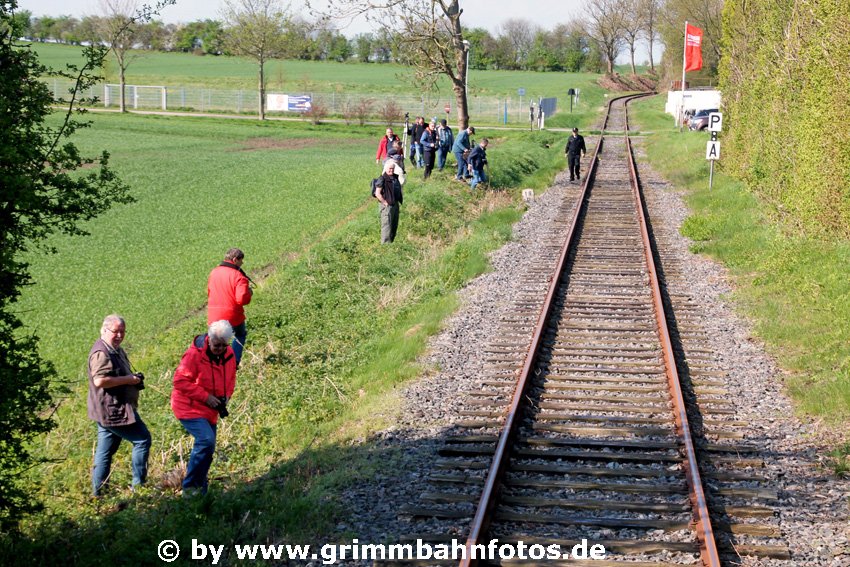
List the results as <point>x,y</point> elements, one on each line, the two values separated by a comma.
<point>482,519</point>
<point>702,521</point>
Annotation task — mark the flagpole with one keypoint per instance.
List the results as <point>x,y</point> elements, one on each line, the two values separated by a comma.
<point>681,117</point>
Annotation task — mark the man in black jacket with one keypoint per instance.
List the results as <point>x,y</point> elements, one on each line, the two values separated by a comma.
<point>477,161</point>
<point>388,193</point>
<point>573,152</point>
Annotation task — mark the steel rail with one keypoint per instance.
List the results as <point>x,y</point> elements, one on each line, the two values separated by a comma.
<point>702,521</point>
<point>481,520</point>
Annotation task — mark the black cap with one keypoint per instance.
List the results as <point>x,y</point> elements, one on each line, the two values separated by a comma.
<point>472,130</point>
<point>575,129</point>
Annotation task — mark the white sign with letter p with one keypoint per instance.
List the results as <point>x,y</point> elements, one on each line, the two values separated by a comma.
<point>715,122</point>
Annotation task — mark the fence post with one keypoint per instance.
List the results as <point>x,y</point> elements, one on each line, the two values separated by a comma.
<point>105,95</point>
<point>165,98</point>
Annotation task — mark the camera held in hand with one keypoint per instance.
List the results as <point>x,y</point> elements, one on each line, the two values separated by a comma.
<point>141,377</point>
<point>222,406</point>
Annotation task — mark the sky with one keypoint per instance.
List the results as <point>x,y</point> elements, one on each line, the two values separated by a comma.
<point>488,14</point>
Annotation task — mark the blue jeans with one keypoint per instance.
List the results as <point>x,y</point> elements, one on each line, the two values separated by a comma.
<point>478,176</point>
<point>461,165</point>
<point>202,453</point>
<point>416,157</point>
<point>240,333</point>
<point>108,440</point>
<point>441,158</point>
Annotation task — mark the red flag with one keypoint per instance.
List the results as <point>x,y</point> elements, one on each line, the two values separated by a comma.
<point>693,48</point>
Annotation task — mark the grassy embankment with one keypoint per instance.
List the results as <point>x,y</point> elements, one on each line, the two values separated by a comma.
<point>795,289</point>
<point>336,323</point>
<point>186,70</point>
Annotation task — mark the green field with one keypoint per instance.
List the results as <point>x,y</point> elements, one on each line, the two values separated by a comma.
<point>187,70</point>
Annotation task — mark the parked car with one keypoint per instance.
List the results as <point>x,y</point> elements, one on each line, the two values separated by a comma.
<point>699,121</point>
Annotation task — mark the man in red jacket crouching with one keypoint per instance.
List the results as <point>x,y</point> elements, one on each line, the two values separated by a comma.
<point>228,291</point>
<point>203,383</point>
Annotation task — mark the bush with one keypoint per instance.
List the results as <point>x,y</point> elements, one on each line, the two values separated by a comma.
<point>390,113</point>
<point>318,112</point>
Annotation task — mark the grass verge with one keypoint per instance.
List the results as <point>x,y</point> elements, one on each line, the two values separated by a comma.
<point>796,290</point>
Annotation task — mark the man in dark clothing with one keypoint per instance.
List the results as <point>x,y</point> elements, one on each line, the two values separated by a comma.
<point>112,404</point>
<point>573,152</point>
<point>388,193</point>
<point>477,161</point>
<point>429,147</point>
<point>416,158</point>
<point>446,140</point>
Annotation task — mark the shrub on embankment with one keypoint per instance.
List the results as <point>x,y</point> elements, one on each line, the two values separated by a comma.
<point>784,77</point>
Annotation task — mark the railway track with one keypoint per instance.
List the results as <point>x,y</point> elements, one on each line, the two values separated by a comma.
<point>600,417</point>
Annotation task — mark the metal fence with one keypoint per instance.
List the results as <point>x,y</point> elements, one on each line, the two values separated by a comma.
<point>195,99</point>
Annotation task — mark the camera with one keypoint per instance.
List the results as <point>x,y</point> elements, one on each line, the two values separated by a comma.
<point>406,115</point>
<point>222,406</point>
<point>141,377</point>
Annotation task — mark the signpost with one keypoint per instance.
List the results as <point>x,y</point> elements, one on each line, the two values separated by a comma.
<point>712,149</point>
<point>521,92</point>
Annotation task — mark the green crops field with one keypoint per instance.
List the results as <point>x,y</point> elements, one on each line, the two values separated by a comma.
<point>186,70</point>
<point>201,186</point>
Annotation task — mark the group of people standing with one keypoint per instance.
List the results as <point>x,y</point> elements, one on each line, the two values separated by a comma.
<point>429,143</point>
<point>203,383</point>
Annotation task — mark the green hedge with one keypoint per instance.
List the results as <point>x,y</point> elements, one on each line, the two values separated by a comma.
<point>784,78</point>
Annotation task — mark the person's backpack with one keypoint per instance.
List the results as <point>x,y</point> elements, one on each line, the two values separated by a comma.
<point>374,187</point>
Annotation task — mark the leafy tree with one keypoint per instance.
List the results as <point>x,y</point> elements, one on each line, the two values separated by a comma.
<point>205,36</point>
<point>23,22</point>
<point>255,29</point>
<point>42,28</point>
<point>363,47</point>
<point>41,193</point>
<point>483,45</point>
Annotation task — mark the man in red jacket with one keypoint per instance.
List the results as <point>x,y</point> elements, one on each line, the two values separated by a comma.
<point>228,291</point>
<point>203,383</point>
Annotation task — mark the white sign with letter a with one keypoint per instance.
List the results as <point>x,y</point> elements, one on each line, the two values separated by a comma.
<point>712,150</point>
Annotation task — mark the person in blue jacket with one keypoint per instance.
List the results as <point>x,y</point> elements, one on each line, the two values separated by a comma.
<point>462,144</point>
<point>477,161</point>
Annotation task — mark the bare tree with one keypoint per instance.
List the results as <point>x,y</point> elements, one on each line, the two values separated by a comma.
<point>520,35</point>
<point>428,33</point>
<point>255,29</point>
<point>632,27</point>
<point>604,24</point>
<point>119,27</point>
<point>649,16</point>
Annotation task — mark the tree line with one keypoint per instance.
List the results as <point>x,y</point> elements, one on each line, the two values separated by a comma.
<point>518,44</point>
